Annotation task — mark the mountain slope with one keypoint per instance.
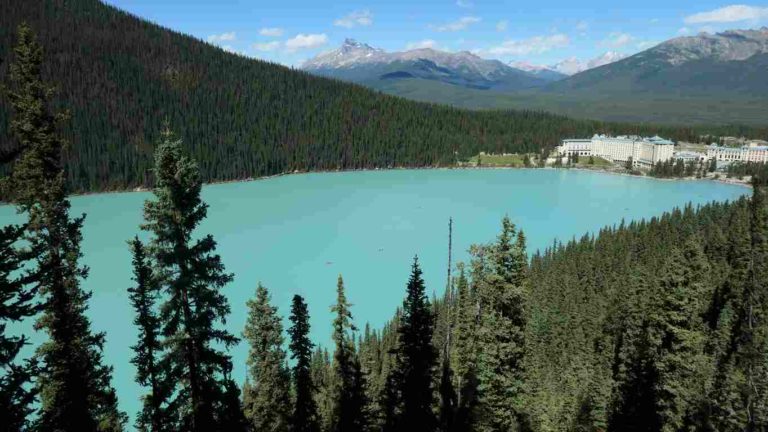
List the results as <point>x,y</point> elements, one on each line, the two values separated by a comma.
<point>120,77</point>
<point>733,63</point>
<point>544,72</point>
<point>572,65</point>
<point>361,63</point>
<point>704,79</point>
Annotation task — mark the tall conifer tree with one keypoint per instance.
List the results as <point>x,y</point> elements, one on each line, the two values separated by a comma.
<point>501,334</point>
<point>416,357</point>
<point>349,396</point>
<point>149,372</point>
<point>16,303</point>
<point>465,355</point>
<point>74,384</point>
<point>267,397</point>
<point>304,417</point>
<point>748,383</point>
<point>191,276</point>
<point>677,335</point>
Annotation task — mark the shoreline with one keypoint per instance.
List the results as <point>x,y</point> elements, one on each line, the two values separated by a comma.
<point>139,189</point>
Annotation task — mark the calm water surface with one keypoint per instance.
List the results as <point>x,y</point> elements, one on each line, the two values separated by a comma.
<point>297,233</point>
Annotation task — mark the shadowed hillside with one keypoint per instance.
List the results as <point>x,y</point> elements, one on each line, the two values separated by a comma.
<point>120,77</point>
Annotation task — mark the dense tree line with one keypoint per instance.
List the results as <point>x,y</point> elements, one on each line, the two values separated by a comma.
<point>753,169</point>
<point>119,77</point>
<point>658,325</point>
<point>678,168</point>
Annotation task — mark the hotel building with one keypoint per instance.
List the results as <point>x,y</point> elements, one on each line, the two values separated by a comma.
<point>644,152</point>
<point>738,154</point>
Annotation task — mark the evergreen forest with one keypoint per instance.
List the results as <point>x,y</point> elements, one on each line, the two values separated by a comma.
<point>118,78</point>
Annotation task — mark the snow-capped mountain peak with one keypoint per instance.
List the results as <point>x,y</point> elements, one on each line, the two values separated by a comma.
<point>350,53</point>
<point>528,67</point>
<point>572,65</point>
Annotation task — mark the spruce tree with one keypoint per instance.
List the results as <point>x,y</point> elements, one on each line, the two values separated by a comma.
<point>149,371</point>
<point>748,372</point>
<point>323,380</point>
<point>17,302</point>
<point>349,396</point>
<point>416,356</point>
<point>633,408</point>
<point>304,418</point>
<point>501,336</point>
<point>267,397</point>
<point>465,355</point>
<point>73,383</point>
<point>191,277</point>
<point>726,409</point>
<point>677,335</point>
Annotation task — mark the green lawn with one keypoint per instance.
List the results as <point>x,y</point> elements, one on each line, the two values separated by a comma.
<point>510,160</point>
<point>598,162</point>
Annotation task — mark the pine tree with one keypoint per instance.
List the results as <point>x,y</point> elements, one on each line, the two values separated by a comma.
<point>502,331</point>
<point>634,405</point>
<point>448,397</point>
<point>465,355</point>
<point>17,302</point>
<point>726,409</point>
<point>677,333</point>
<point>149,371</point>
<point>349,396</point>
<point>267,397</point>
<point>304,418</point>
<point>191,277</point>
<point>748,372</point>
<point>323,380</point>
<point>73,382</point>
<point>416,357</point>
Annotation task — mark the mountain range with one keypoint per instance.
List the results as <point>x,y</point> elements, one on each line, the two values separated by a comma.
<point>708,77</point>
<point>729,63</point>
<point>359,62</point>
<point>364,64</point>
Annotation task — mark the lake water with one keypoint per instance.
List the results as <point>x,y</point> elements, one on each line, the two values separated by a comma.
<point>297,233</point>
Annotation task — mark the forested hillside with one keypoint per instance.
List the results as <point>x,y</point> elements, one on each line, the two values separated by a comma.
<point>656,325</point>
<point>120,77</point>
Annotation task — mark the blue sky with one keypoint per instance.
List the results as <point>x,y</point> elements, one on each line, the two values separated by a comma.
<point>539,32</point>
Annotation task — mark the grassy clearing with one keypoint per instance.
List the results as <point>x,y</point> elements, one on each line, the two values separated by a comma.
<point>598,162</point>
<point>508,160</point>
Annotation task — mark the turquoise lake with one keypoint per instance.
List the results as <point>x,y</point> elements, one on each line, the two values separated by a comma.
<point>297,233</point>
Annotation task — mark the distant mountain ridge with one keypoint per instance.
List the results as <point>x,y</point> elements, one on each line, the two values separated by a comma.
<point>703,78</point>
<point>721,64</point>
<point>362,63</point>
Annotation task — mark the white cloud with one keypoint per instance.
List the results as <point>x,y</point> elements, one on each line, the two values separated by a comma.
<point>502,26</point>
<point>684,31</point>
<point>426,43</point>
<point>357,18</point>
<point>654,21</point>
<point>729,14</point>
<point>644,45</point>
<point>534,45</point>
<point>464,3</point>
<point>271,31</point>
<point>224,37</point>
<point>305,41</point>
<point>617,40</point>
<point>582,26</point>
<point>267,46</point>
<point>461,24</point>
